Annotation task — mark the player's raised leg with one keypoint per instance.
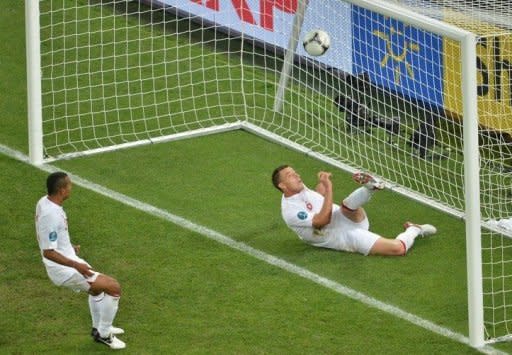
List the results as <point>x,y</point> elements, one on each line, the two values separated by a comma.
<point>352,204</point>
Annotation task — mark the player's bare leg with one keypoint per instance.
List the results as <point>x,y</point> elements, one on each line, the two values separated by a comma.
<point>107,284</point>
<point>358,215</point>
<point>388,247</point>
<point>404,241</point>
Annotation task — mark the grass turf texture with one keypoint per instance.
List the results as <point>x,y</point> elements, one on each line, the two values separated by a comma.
<point>186,294</point>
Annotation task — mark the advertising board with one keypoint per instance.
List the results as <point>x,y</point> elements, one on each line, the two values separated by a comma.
<point>270,21</point>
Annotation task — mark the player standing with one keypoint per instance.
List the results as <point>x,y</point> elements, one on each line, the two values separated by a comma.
<point>66,269</point>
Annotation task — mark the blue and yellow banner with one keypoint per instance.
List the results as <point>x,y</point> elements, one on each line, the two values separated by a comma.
<point>425,67</point>
<point>397,57</point>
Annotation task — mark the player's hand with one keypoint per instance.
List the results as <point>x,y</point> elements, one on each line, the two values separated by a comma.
<point>84,269</point>
<point>324,177</point>
<point>324,185</point>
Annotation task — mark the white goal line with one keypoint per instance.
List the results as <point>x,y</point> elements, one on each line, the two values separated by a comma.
<point>256,253</point>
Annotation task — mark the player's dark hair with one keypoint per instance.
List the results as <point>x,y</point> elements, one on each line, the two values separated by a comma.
<point>276,179</point>
<point>55,182</point>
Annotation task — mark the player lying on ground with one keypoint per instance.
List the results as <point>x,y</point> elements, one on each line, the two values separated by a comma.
<point>322,223</point>
<point>65,268</point>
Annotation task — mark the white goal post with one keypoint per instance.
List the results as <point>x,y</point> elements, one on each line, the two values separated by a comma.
<point>397,94</point>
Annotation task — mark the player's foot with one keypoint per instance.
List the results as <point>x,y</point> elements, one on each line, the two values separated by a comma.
<point>367,180</point>
<point>111,341</point>
<point>116,330</point>
<point>113,330</point>
<point>425,229</point>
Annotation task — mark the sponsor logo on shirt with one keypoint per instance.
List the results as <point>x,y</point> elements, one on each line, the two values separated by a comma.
<point>302,215</point>
<point>52,236</point>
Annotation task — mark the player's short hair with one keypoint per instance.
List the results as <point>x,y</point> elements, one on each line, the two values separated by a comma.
<point>276,178</point>
<point>55,182</point>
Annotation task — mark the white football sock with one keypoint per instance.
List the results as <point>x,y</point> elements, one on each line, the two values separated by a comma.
<point>408,236</point>
<point>108,309</point>
<point>94,307</point>
<point>358,198</point>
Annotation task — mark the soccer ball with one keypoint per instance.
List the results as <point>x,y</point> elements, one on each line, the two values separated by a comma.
<point>316,42</point>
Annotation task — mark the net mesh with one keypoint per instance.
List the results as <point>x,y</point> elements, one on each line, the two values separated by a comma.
<point>387,100</point>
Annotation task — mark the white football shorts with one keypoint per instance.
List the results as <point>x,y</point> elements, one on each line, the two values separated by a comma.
<point>354,237</point>
<point>78,282</point>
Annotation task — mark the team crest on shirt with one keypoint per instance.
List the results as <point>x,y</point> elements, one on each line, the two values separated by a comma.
<point>52,236</point>
<point>302,215</point>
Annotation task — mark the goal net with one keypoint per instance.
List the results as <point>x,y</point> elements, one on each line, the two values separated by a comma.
<point>395,94</point>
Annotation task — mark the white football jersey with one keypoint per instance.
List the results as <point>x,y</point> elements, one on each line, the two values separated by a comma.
<point>52,233</point>
<point>298,212</point>
<point>341,233</point>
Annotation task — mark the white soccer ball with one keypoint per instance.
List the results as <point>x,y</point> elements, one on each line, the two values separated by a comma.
<point>316,42</point>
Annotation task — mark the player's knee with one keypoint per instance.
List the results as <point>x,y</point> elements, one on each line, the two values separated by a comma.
<point>388,247</point>
<point>398,249</point>
<point>358,215</point>
<point>107,284</point>
<point>114,288</point>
